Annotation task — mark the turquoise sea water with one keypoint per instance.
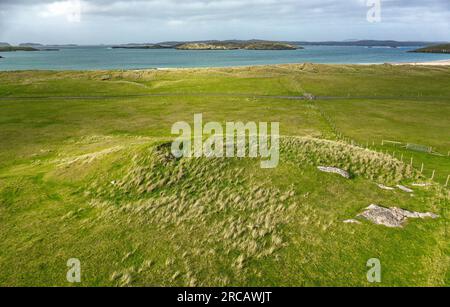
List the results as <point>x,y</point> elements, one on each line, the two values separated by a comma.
<point>93,58</point>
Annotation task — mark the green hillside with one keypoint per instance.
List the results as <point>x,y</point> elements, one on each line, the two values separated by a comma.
<point>444,48</point>
<point>86,172</point>
<point>252,45</point>
<point>15,48</point>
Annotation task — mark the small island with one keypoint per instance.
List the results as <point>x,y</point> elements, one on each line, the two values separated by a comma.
<point>149,46</point>
<point>238,46</point>
<point>444,48</point>
<point>16,48</point>
<point>32,45</point>
<point>24,48</point>
<point>214,45</point>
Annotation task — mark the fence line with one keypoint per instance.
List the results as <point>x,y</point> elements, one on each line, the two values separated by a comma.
<point>414,147</point>
<point>409,146</point>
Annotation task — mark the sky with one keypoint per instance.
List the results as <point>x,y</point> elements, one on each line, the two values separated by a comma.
<point>146,21</point>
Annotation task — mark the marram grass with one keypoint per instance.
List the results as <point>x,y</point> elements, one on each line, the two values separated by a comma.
<point>84,174</point>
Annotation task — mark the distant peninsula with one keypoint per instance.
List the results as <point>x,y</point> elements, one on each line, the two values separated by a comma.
<point>32,45</point>
<point>146,46</point>
<point>443,48</point>
<point>16,48</point>
<point>23,47</point>
<point>359,43</point>
<point>238,46</point>
<point>214,45</point>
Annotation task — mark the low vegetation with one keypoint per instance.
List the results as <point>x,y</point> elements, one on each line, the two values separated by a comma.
<point>444,48</point>
<point>357,161</point>
<point>15,48</point>
<point>237,46</point>
<point>86,173</point>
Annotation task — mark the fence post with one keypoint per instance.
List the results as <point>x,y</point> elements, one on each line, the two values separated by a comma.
<point>412,160</point>
<point>434,173</point>
<point>421,169</point>
<point>448,180</point>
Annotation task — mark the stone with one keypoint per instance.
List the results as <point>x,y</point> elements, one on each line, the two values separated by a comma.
<point>392,217</point>
<point>352,221</point>
<point>383,187</point>
<point>405,189</point>
<point>335,170</point>
<point>421,184</point>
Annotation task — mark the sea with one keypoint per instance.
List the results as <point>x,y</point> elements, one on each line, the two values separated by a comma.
<point>103,57</point>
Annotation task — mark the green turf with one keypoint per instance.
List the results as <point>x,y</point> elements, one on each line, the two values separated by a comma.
<point>222,222</point>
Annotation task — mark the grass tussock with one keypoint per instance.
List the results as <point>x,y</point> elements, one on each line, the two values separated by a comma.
<point>156,221</point>
<point>232,220</point>
<point>209,207</point>
<point>358,161</point>
<point>88,158</point>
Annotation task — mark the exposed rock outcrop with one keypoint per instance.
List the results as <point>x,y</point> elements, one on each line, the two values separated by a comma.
<point>405,189</point>
<point>334,170</point>
<point>392,217</point>
<point>383,187</point>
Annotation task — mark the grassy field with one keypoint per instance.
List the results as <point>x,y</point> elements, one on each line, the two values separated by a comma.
<point>85,173</point>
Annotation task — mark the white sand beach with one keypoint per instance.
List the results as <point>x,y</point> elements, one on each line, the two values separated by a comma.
<point>432,63</point>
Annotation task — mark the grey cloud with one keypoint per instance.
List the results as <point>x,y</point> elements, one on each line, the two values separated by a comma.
<point>248,8</point>
<point>247,17</point>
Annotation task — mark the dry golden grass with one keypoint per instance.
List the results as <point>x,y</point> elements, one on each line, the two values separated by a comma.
<point>207,197</point>
<point>213,208</point>
<point>356,160</point>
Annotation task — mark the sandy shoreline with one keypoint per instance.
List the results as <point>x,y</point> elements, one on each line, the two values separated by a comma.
<point>432,63</point>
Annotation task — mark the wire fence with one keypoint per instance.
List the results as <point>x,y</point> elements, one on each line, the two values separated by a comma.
<point>373,145</point>
<point>415,147</point>
<point>421,149</point>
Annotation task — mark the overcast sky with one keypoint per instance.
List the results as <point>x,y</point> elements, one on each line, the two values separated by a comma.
<point>118,21</point>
